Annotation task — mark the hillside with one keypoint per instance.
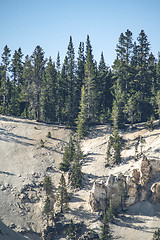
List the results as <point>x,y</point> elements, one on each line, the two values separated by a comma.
<point>24,163</point>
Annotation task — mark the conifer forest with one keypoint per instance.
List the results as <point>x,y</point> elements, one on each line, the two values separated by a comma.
<point>79,91</point>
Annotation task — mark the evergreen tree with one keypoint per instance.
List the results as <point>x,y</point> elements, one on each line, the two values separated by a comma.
<point>122,63</point>
<point>82,116</point>
<point>158,103</point>
<point>120,49</point>
<point>17,69</point>
<point>114,148</point>
<point>118,106</point>
<point>68,156</point>
<point>59,99</point>
<point>48,209</point>
<point>79,75</point>
<point>152,74</point>
<point>76,172</point>
<point>4,90</point>
<point>62,197</point>
<point>158,71</point>
<point>156,235</point>
<point>142,142</point>
<point>27,86</point>
<point>70,97</point>
<point>104,90</point>
<point>48,186</point>
<point>128,46</point>
<point>122,192</point>
<point>90,86</point>
<point>143,79</point>
<point>130,110</point>
<point>63,88</point>
<point>105,229</point>
<point>17,81</point>
<point>88,47</point>
<point>143,49</point>
<point>71,231</point>
<point>38,73</point>
<point>48,95</point>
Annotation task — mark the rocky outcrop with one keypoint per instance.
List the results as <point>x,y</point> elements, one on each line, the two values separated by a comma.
<point>136,187</point>
<point>155,188</point>
<point>146,171</point>
<point>113,188</point>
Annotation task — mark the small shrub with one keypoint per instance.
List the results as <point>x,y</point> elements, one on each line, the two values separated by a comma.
<point>156,234</point>
<point>42,143</point>
<point>149,124</point>
<point>49,134</point>
<point>128,145</point>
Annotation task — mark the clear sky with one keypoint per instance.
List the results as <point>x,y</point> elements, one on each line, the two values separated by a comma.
<point>50,23</point>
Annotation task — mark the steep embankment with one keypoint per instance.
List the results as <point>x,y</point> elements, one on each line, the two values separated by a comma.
<point>24,163</point>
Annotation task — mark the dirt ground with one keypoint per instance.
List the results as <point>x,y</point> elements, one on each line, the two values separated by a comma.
<point>23,161</point>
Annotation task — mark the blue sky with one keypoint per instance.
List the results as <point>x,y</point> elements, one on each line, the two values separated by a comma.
<point>50,23</point>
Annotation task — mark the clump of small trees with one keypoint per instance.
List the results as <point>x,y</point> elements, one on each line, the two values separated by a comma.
<point>114,148</point>
<point>72,163</point>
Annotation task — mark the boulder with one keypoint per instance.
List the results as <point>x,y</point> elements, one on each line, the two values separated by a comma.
<point>155,189</point>
<point>146,171</point>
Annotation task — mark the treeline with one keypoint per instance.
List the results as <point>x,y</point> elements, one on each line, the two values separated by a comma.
<point>81,91</point>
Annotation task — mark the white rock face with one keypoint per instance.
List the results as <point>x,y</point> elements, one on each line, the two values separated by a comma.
<point>137,187</point>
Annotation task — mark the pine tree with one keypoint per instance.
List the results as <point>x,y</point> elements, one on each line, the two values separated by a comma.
<point>114,148</point>
<point>128,45</point>
<point>143,79</point>
<point>17,69</point>
<point>156,235</point>
<point>75,171</point>
<point>104,85</point>
<point>118,106</point>
<point>88,47</point>
<point>105,229</point>
<point>4,89</point>
<point>68,156</point>
<point>62,197</point>
<point>90,85</point>
<point>122,192</point>
<point>158,71</point>
<point>48,209</point>
<point>48,186</point>
<point>130,110</point>
<point>17,81</point>
<point>70,97</point>
<point>158,103</point>
<point>142,141</point>
<point>120,49</point>
<point>27,86</point>
<point>71,231</point>
<point>50,200</point>
<point>63,88</point>
<point>143,49</point>
<point>82,116</point>
<point>48,95</point>
<point>79,76</point>
<point>38,73</point>
<point>59,99</point>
